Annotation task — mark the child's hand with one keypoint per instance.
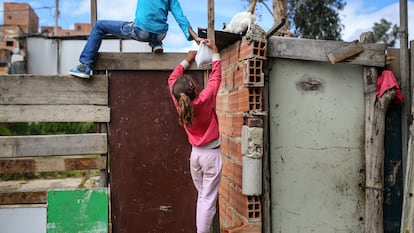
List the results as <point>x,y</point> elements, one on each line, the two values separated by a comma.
<point>190,56</point>
<point>211,45</point>
<point>198,40</point>
<point>195,36</point>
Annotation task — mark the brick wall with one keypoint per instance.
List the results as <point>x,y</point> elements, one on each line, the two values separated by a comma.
<point>238,102</point>
<point>81,29</point>
<point>21,14</point>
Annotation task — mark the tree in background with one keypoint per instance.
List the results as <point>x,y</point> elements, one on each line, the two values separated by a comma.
<point>45,128</point>
<point>385,32</point>
<point>312,19</point>
<point>315,19</point>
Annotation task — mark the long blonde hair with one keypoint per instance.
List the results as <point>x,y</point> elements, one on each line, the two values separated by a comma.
<point>184,91</point>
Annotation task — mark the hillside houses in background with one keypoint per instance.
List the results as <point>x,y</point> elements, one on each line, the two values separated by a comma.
<point>20,22</point>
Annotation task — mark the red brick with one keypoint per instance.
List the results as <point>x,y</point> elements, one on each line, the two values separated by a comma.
<point>234,51</point>
<point>254,122</point>
<point>237,174</point>
<point>227,79</point>
<point>233,148</point>
<point>253,49</point>
<point>224,191</point>
<point>239,73</point>
<point>225,124</point>
<point>244,228</point>
<point>224,145</point>
<point>242,207</point>
<point>227,170</point>
<point>243,99</point>
<point>233,101</point>
<point>225,58</point>
<point>237,124</point>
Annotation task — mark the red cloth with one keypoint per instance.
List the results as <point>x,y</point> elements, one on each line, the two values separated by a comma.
<point>387,81</point>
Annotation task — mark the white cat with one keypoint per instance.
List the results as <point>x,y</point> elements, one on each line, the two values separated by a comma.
<point>241,21</point>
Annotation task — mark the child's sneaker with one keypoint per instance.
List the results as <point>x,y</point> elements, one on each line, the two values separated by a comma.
<point>158,49</point>
<point>81,71</point>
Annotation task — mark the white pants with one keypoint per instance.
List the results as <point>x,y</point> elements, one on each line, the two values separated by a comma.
<point>205,168</point>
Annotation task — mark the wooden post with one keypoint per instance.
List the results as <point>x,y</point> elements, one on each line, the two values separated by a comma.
<point>56,28</point>
<point>103,173</point>
<point>215,227</point>
<point>280,12</point>
<point>210,28</point>
<point>407,218</point>
<point>94,11</point>
<point>375,114</point>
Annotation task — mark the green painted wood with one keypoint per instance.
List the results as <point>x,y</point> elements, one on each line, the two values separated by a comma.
<point>84,211</point>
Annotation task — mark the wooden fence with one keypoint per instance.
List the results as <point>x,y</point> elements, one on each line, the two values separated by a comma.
<point>34,98</point>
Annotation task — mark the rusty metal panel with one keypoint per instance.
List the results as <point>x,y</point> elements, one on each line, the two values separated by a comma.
<point>316,120</point>
<point>151,187</point>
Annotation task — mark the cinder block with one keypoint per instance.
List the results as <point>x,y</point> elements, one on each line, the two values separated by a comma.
<point>253,73</point>
<point>248,73</point>
<point>254,207</point>
<point>255,99</point>
<point>252,142</point>
<point>253,49</point>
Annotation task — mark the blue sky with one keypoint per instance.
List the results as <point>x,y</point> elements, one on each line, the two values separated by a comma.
<point>357,17</point>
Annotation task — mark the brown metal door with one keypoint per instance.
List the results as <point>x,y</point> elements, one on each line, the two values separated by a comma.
<point>150,183</point>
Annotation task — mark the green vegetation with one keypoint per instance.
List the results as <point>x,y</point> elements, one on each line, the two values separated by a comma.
<point>49,175</point>
<point>315,19</point>
<point>46,128</point>
<point>385,32</point>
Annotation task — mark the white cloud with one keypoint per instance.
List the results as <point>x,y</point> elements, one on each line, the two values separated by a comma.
<point>117,9</point>
<point>356,22</point>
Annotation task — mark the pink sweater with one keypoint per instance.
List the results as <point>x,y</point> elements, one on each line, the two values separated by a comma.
<point>205,126</point>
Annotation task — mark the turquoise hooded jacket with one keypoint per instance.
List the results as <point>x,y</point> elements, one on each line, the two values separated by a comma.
<point>152,15</point>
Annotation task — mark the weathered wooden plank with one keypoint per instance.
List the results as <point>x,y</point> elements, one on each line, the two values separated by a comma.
<point>317,50</point>
<point>140,61</point>
<point>53,90</point>
<point>342,53</point>
<point>103,176</point>
<point>54,113</point>
<point>44,145</point>
<point>407,216</point>
<point>53,164</point>
<point>375,115</point>
<point>33,197</point>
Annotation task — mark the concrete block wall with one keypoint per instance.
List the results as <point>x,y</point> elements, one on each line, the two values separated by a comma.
<point>239,103</point>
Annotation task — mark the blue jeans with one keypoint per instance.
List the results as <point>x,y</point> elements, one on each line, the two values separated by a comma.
<point>123,29</point>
